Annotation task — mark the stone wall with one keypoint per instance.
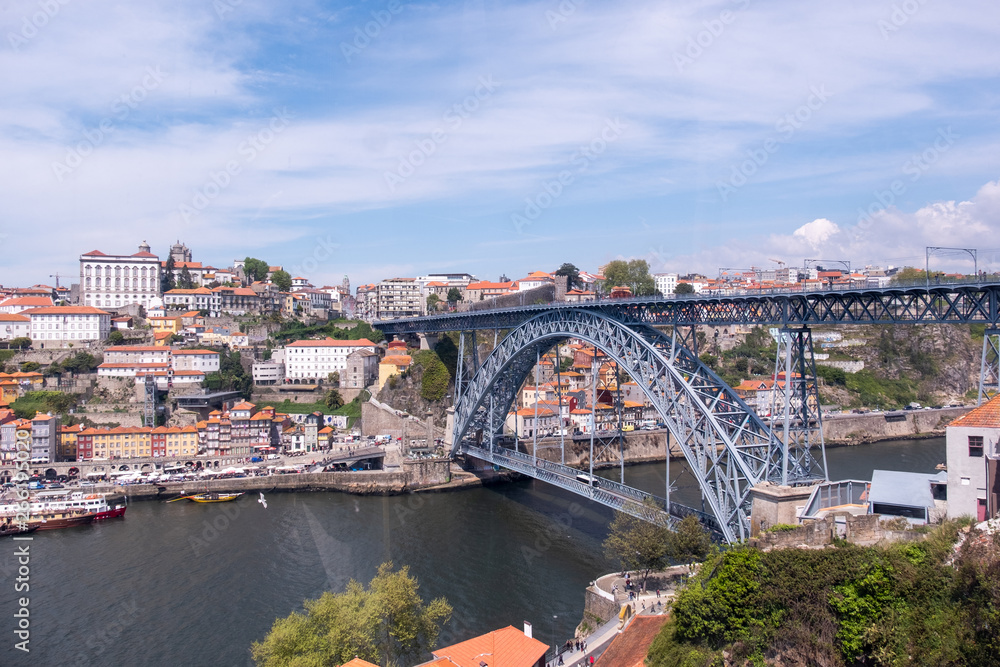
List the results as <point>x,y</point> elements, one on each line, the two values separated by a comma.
<point>860,429</point>
<point>597,603</point>
<point>427,472</point>
<point>861,529</point>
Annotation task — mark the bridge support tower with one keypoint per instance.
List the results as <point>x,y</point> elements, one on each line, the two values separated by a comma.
<point>989,368</point>
<point>796,416</point>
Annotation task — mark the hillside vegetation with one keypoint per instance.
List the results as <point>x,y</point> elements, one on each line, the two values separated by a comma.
<point>907,604</point>
<point>931,364</point>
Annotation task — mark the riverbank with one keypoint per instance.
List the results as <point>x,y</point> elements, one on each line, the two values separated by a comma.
<point>365,483</point>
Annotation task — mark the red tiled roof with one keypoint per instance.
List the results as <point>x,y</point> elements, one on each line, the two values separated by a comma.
<point>507,647</point>
<point>66,310</point>
<point>629,648</point>
<point>986,415</point>
<point>27,301</point>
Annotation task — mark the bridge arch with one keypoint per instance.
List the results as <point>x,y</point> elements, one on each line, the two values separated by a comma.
<point>726,445</point>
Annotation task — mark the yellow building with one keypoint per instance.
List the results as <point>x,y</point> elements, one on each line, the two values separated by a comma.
<point>120,442</point>
<point>9,389</point>
<point>180,441</point>
<point>170,323</point>
<point>67,442</point>
<point>394,364</point>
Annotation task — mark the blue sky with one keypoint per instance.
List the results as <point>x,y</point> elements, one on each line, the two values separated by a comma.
<point>384,139</point>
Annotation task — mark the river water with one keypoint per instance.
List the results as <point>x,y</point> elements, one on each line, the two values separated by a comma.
<point>191,584</point>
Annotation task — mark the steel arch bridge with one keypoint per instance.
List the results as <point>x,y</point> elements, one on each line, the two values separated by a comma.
<point>726,445</point>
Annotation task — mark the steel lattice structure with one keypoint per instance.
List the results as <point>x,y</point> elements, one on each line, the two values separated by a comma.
<point>726,445</point>
<point>958,303</point>
<point>795,398</point>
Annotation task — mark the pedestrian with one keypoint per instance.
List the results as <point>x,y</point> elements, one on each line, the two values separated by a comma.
<point>657,592</point>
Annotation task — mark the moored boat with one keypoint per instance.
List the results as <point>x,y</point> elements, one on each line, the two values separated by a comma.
<point>9,528</point>
<point>61,519</point>
<point>214,497</point>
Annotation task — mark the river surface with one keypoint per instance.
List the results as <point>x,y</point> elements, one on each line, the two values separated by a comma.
<point>190,584</point>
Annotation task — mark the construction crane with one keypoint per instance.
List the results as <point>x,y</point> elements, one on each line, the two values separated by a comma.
<point>778,262</point>
<point>56,276</point>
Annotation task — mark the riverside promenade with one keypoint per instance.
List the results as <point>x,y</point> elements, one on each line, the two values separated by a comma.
<point>611,589</point>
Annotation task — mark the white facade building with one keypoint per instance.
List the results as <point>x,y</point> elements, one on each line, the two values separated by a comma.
<point>199,298</point>
<point>206,361</point>
<point>61,325</point>
<point>113,281</point>
<point>666,283</point>
<point>316,359</point>
<point>973,443</point>
<point>14,326</point>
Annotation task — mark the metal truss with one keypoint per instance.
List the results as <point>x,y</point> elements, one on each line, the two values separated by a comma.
<point>149,404</point>
<point>796,403</point>
<point>956,303</point>
<point>726,445</point>
<point>989,368</point>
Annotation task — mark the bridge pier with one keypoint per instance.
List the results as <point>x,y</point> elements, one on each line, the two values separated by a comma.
<point>427,340</point>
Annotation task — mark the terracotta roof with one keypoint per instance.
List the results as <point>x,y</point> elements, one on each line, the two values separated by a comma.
<point>6,317</point>
<point>197,290</point>
<point>195,352</point>
<point>67,310</point>
<point>144,254</point>
<point>397,360</point>
<point>507,647</point>
<point>137,348</point>
<point>244,405</point>
<point>27,301</point>
<point>629,648</point>
<point>358,662</point>
<point>94,253</point>
<point>986,415</point>
<point>133,365</point>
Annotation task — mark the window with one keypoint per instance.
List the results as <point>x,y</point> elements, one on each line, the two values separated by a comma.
<point>976,446</point>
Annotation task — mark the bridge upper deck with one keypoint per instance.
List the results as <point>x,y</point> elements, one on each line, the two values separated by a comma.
<point>954,303</point>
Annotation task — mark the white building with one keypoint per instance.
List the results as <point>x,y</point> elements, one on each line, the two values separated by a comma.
<point>666,283</point>
<point>58,326</point>
<point>113,281</point>
<point>316,359</point>
<point>268,372</point>
<point>973,443</point>
<point>137,354</point>
<point>14,326</point>
<point>19,304</point>
<point>399,297</point>
<point>199,298</point>
<point>206,361</point>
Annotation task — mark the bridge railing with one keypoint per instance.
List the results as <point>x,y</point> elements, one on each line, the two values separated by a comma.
<point>608,492</point>
<point>943,281</point>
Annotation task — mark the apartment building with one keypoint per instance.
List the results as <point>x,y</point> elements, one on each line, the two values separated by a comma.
<point>316,359</point>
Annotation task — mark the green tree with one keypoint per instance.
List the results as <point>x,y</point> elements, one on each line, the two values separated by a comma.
<point>454,296</point>
<point>30,366</point>
<point>282,280</point>
<point>684,288</point>
<point>909,276</point>
<point>432,302</point>
<point>637,544</point>
<point>255,269</point>
<point>333,378</point>
<point>185,281</point>
<point>333,399</point>
<point>82,362</point>
<point>571,272</point>
<point>688,542</point>
<point>387,623</point>
<point>167,281</point>
<point>116,337</point>
<point>633,274</point>
<point>20,343</point>
<point>434,383</point>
